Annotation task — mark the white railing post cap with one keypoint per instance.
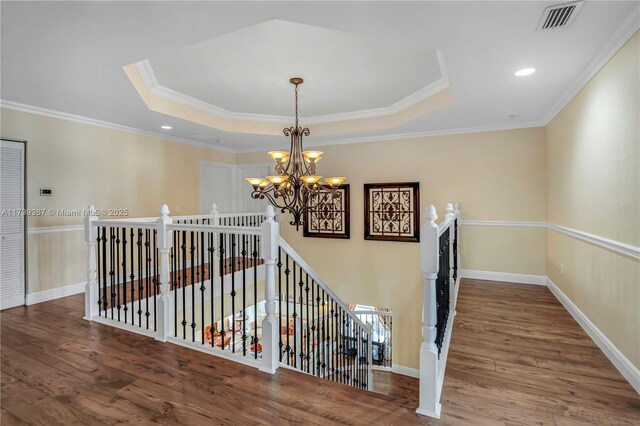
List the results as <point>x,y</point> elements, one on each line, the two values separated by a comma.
<point>164,210</point>
<point>270,213</point>
<point>430,215</point>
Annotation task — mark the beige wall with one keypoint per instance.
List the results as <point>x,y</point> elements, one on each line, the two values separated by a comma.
<point>495,176</point>
<point>594,186</point>
<point>110,168</point>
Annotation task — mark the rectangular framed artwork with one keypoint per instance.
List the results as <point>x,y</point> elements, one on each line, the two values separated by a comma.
<point>328,214</point>
<point>392,211</point>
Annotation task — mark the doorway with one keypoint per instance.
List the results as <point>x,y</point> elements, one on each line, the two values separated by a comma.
<point>12,223</point>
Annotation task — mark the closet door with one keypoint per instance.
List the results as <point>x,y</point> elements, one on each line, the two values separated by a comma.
<point>12,280</point>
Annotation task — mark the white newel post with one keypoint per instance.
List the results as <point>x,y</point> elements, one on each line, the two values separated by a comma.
<point>215,215</point>
<point>91,288</point>
<point>163,309</point>
<point>270,327</point>
<point>429,398</point>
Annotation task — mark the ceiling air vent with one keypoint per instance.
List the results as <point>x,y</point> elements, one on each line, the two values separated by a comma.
<point>559,15</point>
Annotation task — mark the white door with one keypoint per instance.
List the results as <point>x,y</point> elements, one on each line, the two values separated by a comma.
<point>216,180</point>
<point>245,202</point>
<point>11,224</point>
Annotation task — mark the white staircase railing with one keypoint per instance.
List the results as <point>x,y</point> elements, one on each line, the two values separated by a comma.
<point>440,262</point>
<point>216,283</point>
<point>323,336</point>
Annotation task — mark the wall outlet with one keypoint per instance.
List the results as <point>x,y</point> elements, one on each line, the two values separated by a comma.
<point>562,269</point>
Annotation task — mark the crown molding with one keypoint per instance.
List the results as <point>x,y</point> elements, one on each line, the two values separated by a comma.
<point>402,136</point>
<point>613,45</point>
<point>148,76</point>
<point>16,106</point>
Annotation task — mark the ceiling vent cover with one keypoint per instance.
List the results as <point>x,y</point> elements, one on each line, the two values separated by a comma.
<point>559,15</point>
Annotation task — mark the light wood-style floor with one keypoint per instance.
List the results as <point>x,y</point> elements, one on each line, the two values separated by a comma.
<point>517,357</point>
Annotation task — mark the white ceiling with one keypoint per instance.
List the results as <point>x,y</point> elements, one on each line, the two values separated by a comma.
<point>248,71</point>
<point>68,57</point>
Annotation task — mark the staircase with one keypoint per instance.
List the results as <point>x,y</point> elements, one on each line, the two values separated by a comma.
<point>230,286</point>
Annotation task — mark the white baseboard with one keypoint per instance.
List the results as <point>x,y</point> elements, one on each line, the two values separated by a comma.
<point>504,276</point>
<point>54,293</point>
<point>624,366</point>
<point>406,371</point>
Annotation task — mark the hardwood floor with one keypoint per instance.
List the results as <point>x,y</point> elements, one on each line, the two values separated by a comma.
<point>517,357</point>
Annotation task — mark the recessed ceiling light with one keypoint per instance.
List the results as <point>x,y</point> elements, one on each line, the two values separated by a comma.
<point>524,71</point>
<point>166,127</point>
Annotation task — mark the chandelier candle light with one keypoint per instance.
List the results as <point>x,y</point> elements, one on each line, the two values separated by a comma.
<point>296,185</point>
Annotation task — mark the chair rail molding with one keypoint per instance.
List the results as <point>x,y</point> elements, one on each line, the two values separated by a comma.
<point>602,242</point>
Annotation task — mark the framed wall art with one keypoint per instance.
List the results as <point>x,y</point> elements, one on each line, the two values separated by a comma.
<point>328,214</point>
<point>392,211</point>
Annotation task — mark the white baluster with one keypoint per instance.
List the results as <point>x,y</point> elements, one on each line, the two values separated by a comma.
<point>270,327</point>
<point>164,241</point>
<point>91,288</point>
<point>429,394</point>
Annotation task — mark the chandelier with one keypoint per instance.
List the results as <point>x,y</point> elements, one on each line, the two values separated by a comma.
<point>295,187</point>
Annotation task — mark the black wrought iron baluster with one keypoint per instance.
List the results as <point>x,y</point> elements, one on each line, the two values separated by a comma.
<point>256,244</point>
<point>318,351</point>
<point>362,357</point>
<point>390,343</point>
<point>223,271</point>
<point>455,251</point>
<point>192,269</point>
<point>314,345</point>
<point>280,345</point>
<point>244,294</point>
<point>183,270</point>
<point>294,316</point>
<point>222,251</point>
<point>100,273</point>
<point>233,292</point>
<point>301,323</point>
<point>332,361</point>
<point>117,272</point>
<point>212,281</point>
<point>112,290</point>
<point>287,271</point>
<point>174,280</point>
<point>336,336</point>
<point>124,274</point>
<point>343,346</point>
<point>203,288</point>
<point>139,285</point>
<point>324,334</point>
<point>147,279</point>
<point>156,278</point>
<point>132,276</point>
<point>306,328</point>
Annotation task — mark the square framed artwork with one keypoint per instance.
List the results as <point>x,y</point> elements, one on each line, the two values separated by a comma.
<point>328,214</point>
<point>392,211</point>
